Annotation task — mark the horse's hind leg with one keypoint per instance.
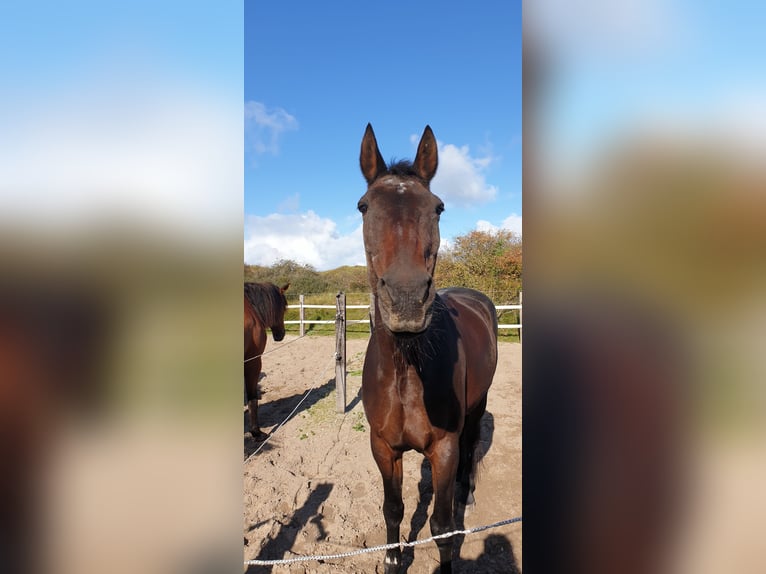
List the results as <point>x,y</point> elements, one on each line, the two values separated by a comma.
<point>469,440</point>
<point>390,465</point>
<point>252,372</point>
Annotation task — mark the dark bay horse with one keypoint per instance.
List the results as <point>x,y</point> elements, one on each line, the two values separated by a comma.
<point>56,341</point>
<point>432,354</point>
<point>265,306</point>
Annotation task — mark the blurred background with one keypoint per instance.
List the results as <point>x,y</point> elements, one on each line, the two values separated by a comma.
<point>645,243</point>
<point>121,189</point>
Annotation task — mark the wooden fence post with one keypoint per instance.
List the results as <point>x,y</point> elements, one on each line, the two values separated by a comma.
<point>300,315</point>
<point>340,353</point>
<point>521,323</point>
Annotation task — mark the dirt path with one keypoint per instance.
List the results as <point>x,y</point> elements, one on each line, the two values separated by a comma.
<point>314,488</point>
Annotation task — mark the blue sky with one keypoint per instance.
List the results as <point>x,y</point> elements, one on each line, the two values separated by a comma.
<point>128,112</point>
<point>136,109</point>
<point>317,73</point>
<point>664,67</point>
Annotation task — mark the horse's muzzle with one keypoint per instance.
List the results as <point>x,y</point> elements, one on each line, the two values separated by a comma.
<point>406,307</point>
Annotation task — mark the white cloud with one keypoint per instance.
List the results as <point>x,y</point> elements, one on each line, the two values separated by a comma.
<point>603,27</point>
<point>305,238</point>
<point>511,223</point>
<point>159,152</point>
<point>741,122</point>
<point>459,180</point>
<point>735,120</point>
<point>264,127</point>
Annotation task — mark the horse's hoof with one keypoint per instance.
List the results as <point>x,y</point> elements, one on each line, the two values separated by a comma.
<point>258,436</point>
<point>392,563</point>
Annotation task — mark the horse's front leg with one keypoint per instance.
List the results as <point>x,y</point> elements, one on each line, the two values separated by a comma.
<point>443,457</point>
<point>252,373</point>
<point>390,464</point>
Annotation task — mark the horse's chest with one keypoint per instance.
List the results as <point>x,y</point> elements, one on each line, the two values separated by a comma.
<point>409,425</point>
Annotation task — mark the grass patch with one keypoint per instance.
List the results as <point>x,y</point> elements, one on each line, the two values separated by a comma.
<point>506,336</point>
<point>305,434</point>
<point>359,422</point>
<point>323,410</point>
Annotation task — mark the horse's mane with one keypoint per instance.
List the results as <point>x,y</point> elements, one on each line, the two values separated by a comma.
<point>265,300</point>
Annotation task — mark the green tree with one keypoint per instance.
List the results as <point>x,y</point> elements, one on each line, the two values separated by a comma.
<point>302,278</point>
<point>349,279</point>
<point>489,262</point>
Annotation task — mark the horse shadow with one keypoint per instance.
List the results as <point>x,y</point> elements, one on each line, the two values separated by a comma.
<point>271,413</point>
<point>425,491</point>
<point>497,558</point>
<point>276,547</point>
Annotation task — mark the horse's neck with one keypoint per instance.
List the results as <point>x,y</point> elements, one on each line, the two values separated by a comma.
<point>388,346</point>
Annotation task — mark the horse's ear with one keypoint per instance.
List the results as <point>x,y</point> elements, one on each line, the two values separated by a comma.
<point>427,158</point>
<point>283,289</point>
<point>370,160</point>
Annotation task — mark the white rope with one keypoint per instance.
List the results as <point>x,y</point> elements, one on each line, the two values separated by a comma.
<point>276,348</point>
<point>271,434</point>
<point>399,545</point>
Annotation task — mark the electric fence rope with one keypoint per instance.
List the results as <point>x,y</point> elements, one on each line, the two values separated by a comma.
<point>400,545</point>
<point>277,348</point>
<point>305,396</point>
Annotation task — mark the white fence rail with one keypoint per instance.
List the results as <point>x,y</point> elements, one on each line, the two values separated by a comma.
<point>341,322</point>
<point>302,321</point>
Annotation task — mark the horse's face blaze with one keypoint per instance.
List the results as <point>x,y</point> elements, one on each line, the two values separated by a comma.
<point>401,235</point>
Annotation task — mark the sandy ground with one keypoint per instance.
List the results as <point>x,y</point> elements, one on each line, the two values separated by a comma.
<point>314,487</point>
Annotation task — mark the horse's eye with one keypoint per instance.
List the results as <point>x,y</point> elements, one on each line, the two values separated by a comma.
<point>362,207</point>
<point>439,209</point>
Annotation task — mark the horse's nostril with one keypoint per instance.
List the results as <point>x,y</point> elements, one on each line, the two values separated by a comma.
<point>427,291</point>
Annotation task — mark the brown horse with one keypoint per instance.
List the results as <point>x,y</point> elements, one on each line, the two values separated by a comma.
<point>265,306</point>
<point>54,344</point>
<point>432,354</point>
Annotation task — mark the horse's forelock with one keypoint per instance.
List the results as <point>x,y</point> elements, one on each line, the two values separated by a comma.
<point>400,168</point>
